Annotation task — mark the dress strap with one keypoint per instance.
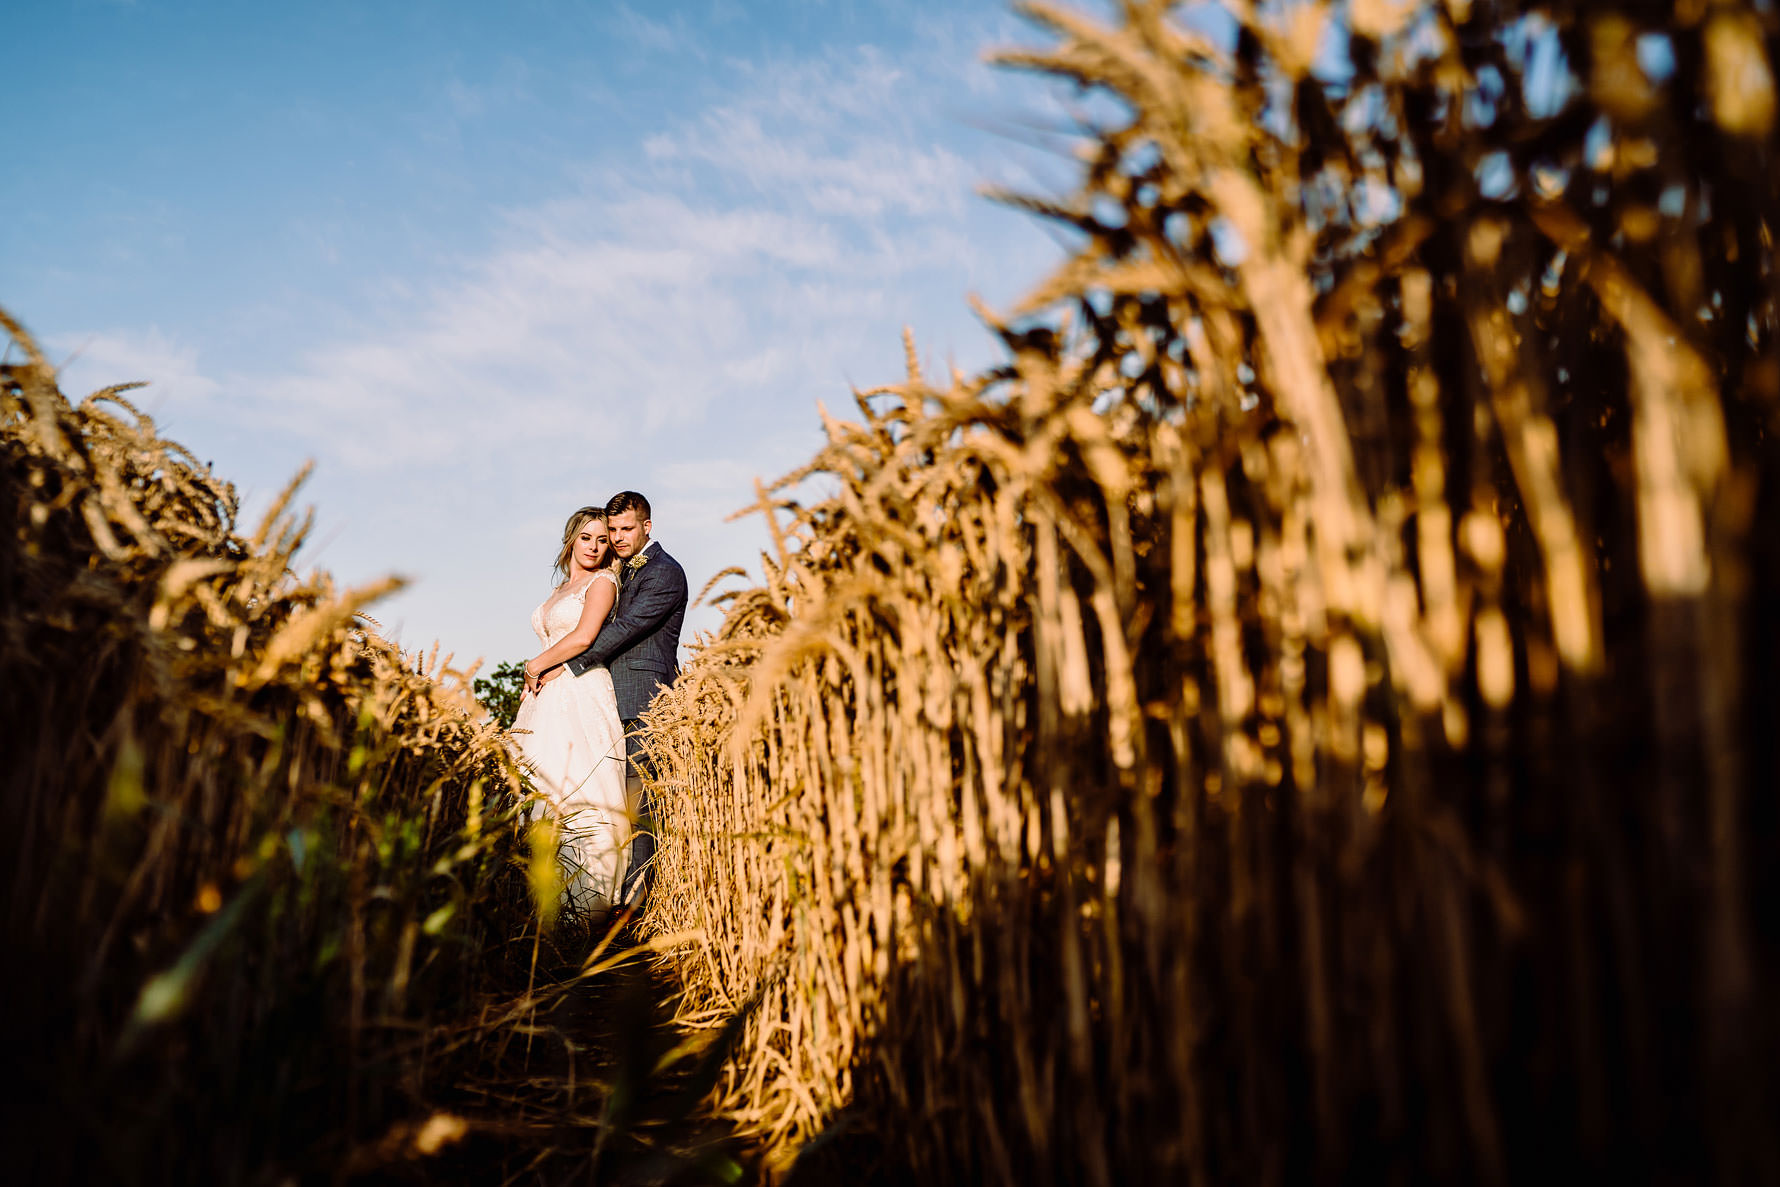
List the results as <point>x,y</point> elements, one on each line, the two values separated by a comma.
<point>606,573</point>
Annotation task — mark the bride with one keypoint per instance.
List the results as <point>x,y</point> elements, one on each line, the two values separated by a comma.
<point>568,730</point>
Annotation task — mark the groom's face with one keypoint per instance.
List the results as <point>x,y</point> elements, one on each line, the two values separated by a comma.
<point>630,535</point>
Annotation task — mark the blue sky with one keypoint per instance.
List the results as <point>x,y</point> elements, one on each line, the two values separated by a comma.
<point>484,263</point>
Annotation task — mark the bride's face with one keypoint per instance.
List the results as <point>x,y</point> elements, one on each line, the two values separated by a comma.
<point>592,545</point>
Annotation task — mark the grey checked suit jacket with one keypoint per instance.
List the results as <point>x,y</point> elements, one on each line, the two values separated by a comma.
<point>640,639</point>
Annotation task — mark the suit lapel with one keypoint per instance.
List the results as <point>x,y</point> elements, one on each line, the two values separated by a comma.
<point>626,575</point>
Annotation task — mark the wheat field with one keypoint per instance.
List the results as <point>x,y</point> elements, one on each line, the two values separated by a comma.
<point>274,909</point>
<point>1307,712</point>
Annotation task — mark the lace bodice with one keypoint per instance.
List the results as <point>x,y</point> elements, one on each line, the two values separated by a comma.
<point>557,615</point>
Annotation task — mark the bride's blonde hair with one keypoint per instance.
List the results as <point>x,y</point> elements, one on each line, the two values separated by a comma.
<point>577,521</point>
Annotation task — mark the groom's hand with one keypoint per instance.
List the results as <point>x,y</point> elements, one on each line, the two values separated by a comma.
<point>552,674</point>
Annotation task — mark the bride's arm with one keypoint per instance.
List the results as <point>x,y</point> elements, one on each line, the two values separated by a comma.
<point>593,615</point>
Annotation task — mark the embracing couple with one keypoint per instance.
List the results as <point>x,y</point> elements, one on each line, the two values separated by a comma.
<point>611,634</point>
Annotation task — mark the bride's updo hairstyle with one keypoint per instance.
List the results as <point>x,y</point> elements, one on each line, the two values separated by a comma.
<point>577,521</point>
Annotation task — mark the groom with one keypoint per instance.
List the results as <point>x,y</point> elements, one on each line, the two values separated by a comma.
<point>639,643</point>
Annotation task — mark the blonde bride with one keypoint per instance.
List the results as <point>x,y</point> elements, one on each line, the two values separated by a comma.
<point>568,729</point>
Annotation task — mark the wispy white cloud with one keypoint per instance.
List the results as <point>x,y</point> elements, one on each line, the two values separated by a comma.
<point>742,254</point>
<point>638,303</point>
<point>667,321</point>
<point>100,359</point>
<point>674,35</point>
<point>835,89</point>
<point>850,177</point>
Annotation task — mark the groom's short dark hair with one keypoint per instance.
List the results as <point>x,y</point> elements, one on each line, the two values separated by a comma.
<point>627,500</point>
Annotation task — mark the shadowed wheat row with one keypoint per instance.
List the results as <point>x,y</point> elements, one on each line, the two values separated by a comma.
<point>268,914</point>
<point>1308,711</point>
<point>251,850</point>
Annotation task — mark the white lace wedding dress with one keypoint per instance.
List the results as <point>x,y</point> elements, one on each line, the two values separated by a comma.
<point>573,745</point>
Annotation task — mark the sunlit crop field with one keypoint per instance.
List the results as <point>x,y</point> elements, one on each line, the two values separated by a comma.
<point>274,909</point>
<point>1307,713</point>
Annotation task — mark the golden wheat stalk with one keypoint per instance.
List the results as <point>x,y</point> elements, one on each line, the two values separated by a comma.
<point>1152,758</point>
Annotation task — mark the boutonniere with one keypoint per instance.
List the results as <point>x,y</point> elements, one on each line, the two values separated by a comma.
<point>636,562</point>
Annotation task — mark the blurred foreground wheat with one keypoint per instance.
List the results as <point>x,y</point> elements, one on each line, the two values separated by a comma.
<point>1310,712</point>
<point>266,912</point>
<point>249,847</point>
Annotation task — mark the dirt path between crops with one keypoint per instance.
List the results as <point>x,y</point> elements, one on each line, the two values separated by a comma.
<point>592,1086</point>
<point>596,1084</point>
